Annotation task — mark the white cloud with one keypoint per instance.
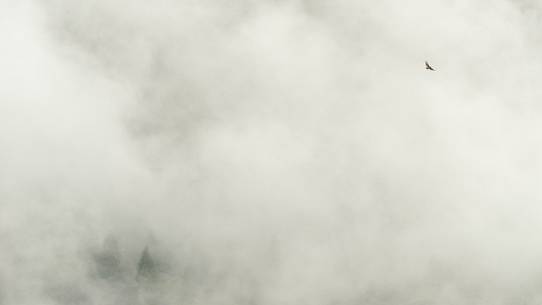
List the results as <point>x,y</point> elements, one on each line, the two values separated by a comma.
<point>270,151</point>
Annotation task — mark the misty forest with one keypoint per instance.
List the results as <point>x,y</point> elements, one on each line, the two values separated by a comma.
<point>271,152</point>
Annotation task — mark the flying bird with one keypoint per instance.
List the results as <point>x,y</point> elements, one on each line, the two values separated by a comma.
<point>428,67</point>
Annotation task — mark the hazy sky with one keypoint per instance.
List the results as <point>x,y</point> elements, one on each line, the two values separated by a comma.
<point>270,152</point>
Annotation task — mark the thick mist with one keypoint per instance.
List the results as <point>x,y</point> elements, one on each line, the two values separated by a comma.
<point>270,152</point>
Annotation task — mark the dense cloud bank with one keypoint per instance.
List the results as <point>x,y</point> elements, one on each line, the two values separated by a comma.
<point>270,152</point>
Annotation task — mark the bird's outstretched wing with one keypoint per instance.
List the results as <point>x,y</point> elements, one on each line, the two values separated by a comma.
<point>427,66</point>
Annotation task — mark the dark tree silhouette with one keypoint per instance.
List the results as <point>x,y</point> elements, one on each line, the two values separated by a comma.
<point>107,261</point>
<point>146,267</point>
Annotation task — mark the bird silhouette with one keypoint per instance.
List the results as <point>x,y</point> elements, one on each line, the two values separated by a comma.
<point>428,67</point>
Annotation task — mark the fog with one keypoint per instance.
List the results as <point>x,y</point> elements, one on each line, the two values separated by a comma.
<point>270,152</point>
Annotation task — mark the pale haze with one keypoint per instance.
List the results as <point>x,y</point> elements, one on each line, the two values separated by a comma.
<point>271,152</point>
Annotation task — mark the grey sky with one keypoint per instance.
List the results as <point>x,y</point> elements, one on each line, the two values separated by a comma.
<point>270,152</point>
